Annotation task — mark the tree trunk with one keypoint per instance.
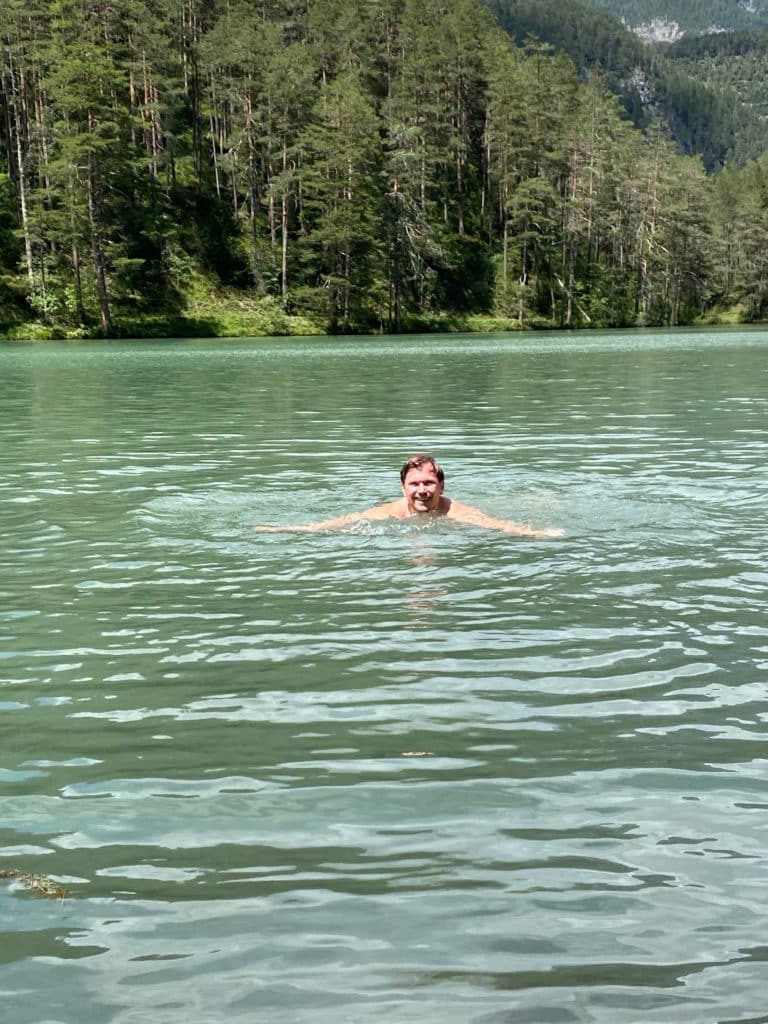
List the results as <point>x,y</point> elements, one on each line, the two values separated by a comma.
<point>21,169</point>
<point>97,249</point>
<point>284,229</point>
<point>253,200</point>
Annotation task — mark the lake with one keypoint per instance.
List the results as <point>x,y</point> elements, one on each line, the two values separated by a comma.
<point>405,771</point>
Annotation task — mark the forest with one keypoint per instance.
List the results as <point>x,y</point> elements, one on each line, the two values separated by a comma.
<point>704,114</point>
<point>735,62</point>
<point>301,166</point>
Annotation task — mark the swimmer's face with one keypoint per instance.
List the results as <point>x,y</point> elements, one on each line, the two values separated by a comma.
<point>422,489</point>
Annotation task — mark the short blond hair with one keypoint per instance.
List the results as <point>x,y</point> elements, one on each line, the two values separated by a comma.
<point>417,461</point>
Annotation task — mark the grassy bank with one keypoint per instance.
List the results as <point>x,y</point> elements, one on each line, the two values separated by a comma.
<point>206,310</point>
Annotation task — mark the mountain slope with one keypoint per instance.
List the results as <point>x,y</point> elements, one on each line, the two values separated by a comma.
<point>735,62</point>
<point>700,116</point>
<point>650,18</point>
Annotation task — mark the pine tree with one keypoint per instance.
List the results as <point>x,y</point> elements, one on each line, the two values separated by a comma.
<point>341,157</point>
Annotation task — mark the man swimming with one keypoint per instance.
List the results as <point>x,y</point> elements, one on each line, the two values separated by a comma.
<point>422,481</point>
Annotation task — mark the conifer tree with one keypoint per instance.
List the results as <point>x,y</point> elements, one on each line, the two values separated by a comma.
<point>341,156</point>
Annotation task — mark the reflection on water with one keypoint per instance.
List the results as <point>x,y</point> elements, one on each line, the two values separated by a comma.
<point>403,770</point>
<point>424,598</point>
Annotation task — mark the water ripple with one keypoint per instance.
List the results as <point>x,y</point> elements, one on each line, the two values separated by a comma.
<point>401,769</point>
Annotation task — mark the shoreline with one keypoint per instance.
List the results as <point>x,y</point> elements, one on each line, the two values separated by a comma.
<point>225,327</point>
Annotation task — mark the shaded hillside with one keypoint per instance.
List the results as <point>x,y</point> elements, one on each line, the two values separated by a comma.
<point>592,38</point>
<point>700,117</point>
<point>691,16</point>
<point>735,63</point>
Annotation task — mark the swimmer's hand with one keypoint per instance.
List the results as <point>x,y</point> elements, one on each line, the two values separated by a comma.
<point>529,531</point>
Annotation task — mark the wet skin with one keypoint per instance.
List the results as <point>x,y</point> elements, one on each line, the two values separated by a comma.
<point>422,496</point>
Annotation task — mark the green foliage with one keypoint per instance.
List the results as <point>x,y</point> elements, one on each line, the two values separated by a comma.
<point>735,65</point>
<point>701,114</point>
<point>399,165</point>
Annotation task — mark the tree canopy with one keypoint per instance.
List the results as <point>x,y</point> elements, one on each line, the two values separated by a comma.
<point>386,165</point>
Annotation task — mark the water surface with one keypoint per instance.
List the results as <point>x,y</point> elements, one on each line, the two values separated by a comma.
<point>403,771</point>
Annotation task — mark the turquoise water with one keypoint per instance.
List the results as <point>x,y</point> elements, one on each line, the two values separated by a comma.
<point>404,771</point>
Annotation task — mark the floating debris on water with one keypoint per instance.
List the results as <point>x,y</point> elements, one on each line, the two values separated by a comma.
<point>37,883</point>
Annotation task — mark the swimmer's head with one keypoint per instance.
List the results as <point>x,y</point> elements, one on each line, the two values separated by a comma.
<point>417,461</point>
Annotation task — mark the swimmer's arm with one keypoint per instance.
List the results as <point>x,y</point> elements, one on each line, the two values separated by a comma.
<point>476,517</point>
<point>326,524</point>
<point>377,512</point>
